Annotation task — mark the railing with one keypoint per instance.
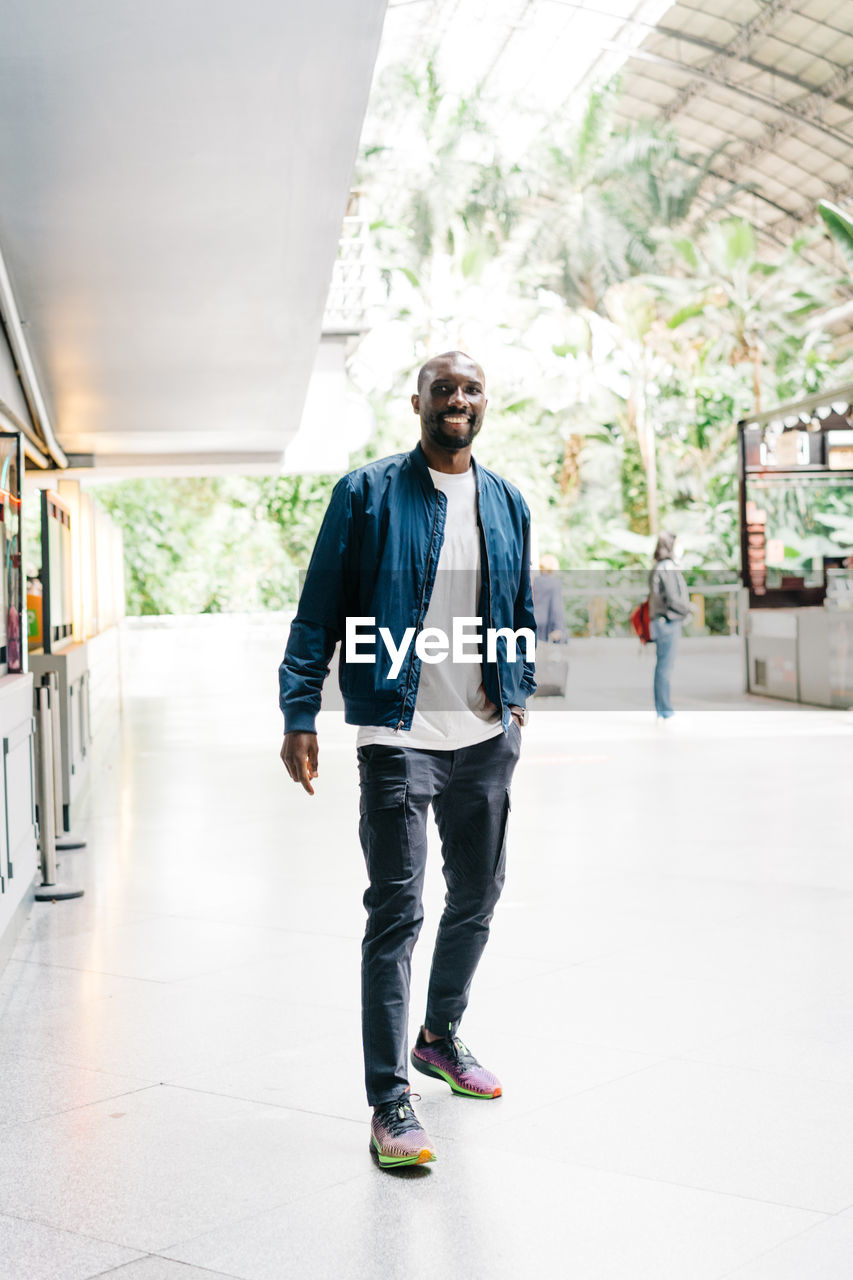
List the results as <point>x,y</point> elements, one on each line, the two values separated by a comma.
<point>346,303</point>
<point>604,608</point>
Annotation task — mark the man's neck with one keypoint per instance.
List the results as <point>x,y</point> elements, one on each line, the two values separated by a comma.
<point>454,462</point>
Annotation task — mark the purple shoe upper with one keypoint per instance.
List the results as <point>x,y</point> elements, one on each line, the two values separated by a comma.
<point>452,1060</point>
<point>398,1135</point>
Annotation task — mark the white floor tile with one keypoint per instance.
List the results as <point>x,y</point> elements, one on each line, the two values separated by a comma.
<point>157,1268</point>
<point>670,1008</point>
<point>33,1251</point>
<point>823,1252</point>
<point>158,948</point>
<point>160,1030</point>
<point>473,1214</point>
<point>159,1166</point>
<point>33,1088</point>
<point>813,1043</point>
<point>745,1133</point>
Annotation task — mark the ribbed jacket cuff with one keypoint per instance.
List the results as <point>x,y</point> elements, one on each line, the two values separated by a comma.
<point>300,720</point>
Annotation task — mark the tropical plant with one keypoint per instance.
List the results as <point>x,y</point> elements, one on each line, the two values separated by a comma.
<point>749,310</point>
<point>213,545</point>
<point>623,337</point>
<point>839,224</point>
<point>603,199</point>
<point>446,202</point>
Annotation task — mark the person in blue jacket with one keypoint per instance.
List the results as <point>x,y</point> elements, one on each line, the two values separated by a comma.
<point>421,571</point>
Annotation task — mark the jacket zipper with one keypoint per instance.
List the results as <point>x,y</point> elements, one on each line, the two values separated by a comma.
<point>491,619</point>
<point>419,617</point>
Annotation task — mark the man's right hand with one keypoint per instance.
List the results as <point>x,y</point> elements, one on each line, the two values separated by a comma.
<point>300,754</point>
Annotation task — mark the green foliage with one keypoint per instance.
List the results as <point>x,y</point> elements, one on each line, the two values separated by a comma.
<point>214,545</point>
<point>634,492</point>
<point>744,310</point>
<point>810,522</point>
<point>623,335</point>
<point>840,226</point>
<point>603,197</point>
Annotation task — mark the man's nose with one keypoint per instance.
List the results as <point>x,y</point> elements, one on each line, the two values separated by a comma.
<point>459,397</point>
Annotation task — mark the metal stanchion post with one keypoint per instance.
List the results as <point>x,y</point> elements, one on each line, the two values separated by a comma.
<point>51,679</point>
<point>65,841</point>
<point>49,891</point>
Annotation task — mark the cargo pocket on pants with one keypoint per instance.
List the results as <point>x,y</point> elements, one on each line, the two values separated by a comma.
<point>500,861</point>
<point>383,828</point>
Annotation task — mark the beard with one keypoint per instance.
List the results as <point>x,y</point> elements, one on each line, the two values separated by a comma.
<point>446,439</point>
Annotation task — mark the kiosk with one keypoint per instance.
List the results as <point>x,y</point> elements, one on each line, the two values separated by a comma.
<point>796,509</point>
<point>18,851</point>
<point>60,653</point>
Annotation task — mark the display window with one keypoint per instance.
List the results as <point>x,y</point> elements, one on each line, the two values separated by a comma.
<point>12,648</point>
<point>796,490</point>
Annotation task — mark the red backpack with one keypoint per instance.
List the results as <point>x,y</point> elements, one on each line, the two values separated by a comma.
<point>640,622</point>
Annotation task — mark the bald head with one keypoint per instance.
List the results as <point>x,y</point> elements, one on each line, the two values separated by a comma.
<point>436,364</point>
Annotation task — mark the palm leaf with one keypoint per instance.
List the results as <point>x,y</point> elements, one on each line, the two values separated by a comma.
<point>840,227</point>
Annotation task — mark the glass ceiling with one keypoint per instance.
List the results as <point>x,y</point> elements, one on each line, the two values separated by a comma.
<point>764,84</point>
<point>528,58</point>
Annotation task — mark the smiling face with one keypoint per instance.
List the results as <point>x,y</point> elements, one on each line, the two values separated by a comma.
<point>451,402</point>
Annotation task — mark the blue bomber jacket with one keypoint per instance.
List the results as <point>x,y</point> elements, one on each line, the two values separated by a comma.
<point>376,556</point>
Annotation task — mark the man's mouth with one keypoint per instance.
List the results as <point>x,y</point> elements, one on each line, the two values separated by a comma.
<point>461,419</point>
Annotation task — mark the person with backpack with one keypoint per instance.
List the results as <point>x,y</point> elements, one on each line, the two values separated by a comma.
<point>669,605</point>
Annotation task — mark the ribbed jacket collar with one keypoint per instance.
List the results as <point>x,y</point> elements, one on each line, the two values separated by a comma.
<point>417,457</point>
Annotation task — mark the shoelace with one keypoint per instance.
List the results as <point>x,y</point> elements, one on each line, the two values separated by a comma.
<point>459,1052</point>
<point>398,1115</point>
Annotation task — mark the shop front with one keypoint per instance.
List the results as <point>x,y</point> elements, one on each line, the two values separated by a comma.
<point>796,510</point>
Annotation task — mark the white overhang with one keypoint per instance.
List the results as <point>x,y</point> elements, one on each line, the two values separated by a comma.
<point>173,180</point>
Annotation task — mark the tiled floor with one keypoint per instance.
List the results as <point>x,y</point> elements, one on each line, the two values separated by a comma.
<point>668,997</point>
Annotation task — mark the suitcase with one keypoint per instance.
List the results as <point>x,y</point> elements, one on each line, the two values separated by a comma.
<point>552,669</point>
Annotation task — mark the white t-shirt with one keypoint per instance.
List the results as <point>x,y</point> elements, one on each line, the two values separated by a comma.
<point>450,711</point>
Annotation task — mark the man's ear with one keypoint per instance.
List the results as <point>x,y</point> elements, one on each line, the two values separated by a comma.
<point>416,403</point>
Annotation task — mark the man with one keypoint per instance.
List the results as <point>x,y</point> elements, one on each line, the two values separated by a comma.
<point>421,545</point>
<point>548,607</point>
<point>552,659</point>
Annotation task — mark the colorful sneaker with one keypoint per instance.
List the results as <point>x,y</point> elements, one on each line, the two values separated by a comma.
<point>453,1061</point>
<point>396,1134</point>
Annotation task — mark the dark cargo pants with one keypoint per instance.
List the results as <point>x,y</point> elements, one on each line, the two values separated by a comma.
<point>469,791</point>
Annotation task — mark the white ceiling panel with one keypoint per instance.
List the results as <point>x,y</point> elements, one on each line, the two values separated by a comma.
<point>173,179</point>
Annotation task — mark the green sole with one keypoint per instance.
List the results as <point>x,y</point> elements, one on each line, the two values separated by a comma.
<point>396,1162</point>
<point>427,1069</point>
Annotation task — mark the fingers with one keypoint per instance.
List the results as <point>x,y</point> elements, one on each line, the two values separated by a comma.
<point>308,767</point>
<point>300,756</point>
<point>305,776</point>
